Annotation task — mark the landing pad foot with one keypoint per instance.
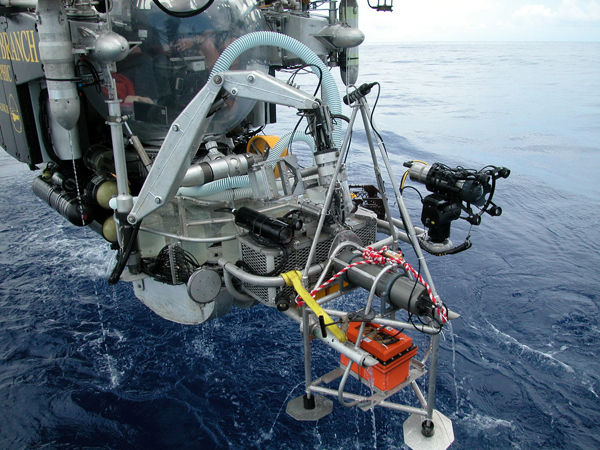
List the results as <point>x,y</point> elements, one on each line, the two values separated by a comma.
<point>302,408</point>
<point>442,437</point>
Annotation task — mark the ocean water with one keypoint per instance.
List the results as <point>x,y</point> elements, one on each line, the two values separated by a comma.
<point>84,365</point>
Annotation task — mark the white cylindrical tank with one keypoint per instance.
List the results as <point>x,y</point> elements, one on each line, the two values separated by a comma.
<point>56,54</point>
<point>349,57</point>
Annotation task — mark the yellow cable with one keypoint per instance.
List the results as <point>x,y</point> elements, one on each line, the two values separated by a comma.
<point>403,180</point>
<point>294,278</point>
<point>406,173</point>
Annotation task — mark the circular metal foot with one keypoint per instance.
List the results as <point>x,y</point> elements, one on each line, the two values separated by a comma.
<point>306,408</point>
<point>415,429</point>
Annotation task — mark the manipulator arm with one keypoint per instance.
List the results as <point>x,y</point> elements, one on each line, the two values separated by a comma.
<point>190,127</point>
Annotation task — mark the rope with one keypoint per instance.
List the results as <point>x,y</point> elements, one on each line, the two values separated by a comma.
<point>374,256</point>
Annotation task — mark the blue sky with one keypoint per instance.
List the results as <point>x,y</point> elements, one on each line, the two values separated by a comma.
<point>483,20</point>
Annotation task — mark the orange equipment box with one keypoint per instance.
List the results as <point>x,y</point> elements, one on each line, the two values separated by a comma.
<point>393,349</point>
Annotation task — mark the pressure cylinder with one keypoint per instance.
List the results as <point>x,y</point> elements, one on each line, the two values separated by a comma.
<point>227,166</point>
<point>399,290</point>
<point>273,230</point>
<point>100,190</point>
<point>106,228</point>
<point>65,203</point>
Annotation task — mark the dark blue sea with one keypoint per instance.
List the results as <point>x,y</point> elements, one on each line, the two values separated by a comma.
<point>84,365</point>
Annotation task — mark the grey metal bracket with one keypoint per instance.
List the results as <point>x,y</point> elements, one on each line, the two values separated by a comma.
<point>290,163</point>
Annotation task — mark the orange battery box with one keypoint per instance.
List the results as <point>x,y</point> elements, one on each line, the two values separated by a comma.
<point>393,349</point>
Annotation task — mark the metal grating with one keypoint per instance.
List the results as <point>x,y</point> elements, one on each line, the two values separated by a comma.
<point>264,259</point>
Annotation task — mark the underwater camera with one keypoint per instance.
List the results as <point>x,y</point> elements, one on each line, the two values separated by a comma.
<point>454,191</point>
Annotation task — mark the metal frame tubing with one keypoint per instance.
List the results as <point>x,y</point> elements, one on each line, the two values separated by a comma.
<point>343,150</point>
<point>331,258</point>
<point>389,322</point>
<point>360,398</point>
<point>259,280</point>
<point>307,354</point>
<point>364,110</point>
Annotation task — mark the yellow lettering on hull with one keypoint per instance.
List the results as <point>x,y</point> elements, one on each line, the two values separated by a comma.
<point>4,46</point>
<point>19,46</point>
<point>5,71</point>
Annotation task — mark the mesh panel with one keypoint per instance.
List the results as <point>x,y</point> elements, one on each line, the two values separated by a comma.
<point>264,259</point>
<point>367,234</point>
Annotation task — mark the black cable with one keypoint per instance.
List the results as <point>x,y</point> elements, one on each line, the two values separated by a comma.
<point>453,251</point>
<point>376,101</point>
<point>63,79</point>
<point>183,14</point>
<point>371,118</point>
<point>289,213</point>
<point>293,133</point>
<point>320,79</point>
<point>124,255</point>
<point>291,80</point>
<point>341,116</point>
<point>92,71</point>
<point>393,339</point>
<point>410,314</point>
<point>45,131</point>
<point>347,120</point>
<point>160,268</point>
<point>292,77</point>
<point>413,188</point>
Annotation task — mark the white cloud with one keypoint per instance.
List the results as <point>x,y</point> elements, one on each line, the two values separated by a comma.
<point>568,11</point>
<point>575,10</point>
<point>483,20</point>
<point>529,11</point>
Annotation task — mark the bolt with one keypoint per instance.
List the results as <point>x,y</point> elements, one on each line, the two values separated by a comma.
<point>218,79</point>
<point>175,127</point>
<point>157,200</point>
<point>315,105</point>
<point>251,78</point>
<point>234,91</point>
<point>131,219</point>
